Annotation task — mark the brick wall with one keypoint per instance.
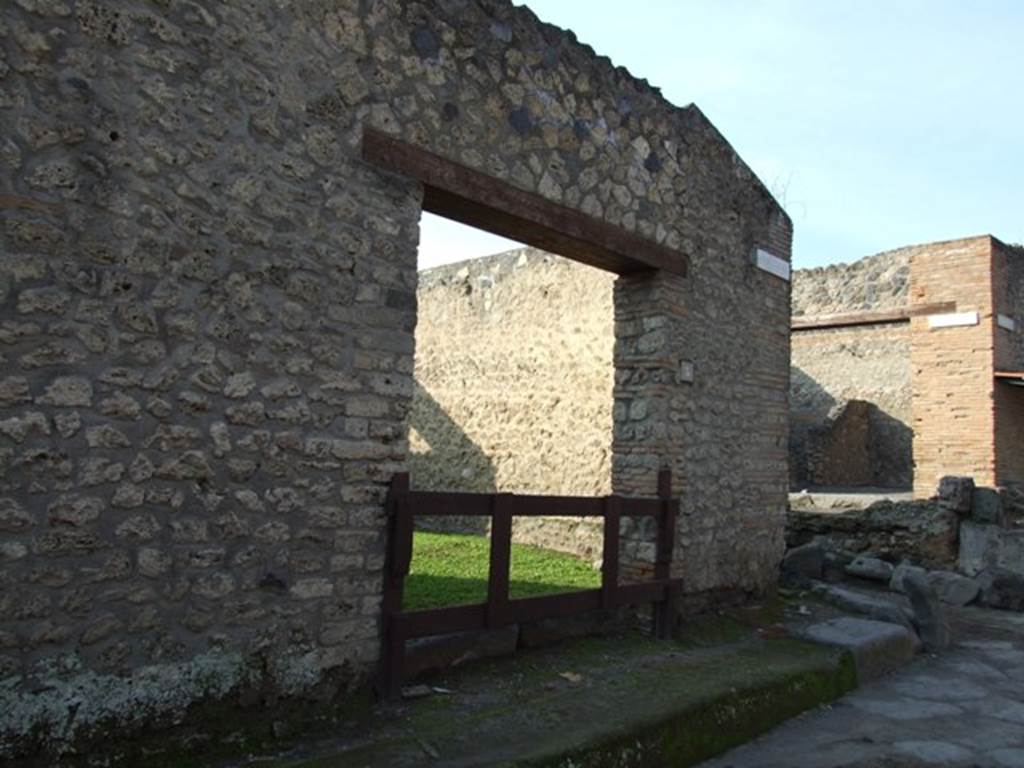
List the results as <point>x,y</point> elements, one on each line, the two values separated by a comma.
<point>954,416</point>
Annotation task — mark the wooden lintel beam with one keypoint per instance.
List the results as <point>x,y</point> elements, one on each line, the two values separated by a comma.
<point>461,193</point>
<point>879,317</point>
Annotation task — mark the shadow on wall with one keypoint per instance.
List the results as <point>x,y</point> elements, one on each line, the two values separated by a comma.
<point>443,458</point>
<point>892,450</point>
<point>809,405</point>
<point>844,443</point>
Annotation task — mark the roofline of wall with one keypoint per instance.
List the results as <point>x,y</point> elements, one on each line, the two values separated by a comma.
<point>890,251</point>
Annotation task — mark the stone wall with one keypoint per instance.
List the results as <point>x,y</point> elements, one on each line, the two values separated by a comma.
<point>834,366</point>
<point>207,311</point>
<point>514,388</point>
<point>514,372</point>
<point>872,283</point>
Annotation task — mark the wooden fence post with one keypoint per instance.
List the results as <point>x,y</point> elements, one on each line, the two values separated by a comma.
<point>501,561</point>
<point>610,553</point>
<point>399,556</point>
<point>664,612</point>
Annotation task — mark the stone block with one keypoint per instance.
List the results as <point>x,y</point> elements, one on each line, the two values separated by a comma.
<point>877,608</point>
<point>979,547</point>
<point>877,647</point>
<point>987,507</point>
<point>904,569</point>
<point>952,588</point>
<point>1001,589</point>
<point>801,565</point>
<point>929,614</point>
<point>956,493</point>
<point>872,568</point>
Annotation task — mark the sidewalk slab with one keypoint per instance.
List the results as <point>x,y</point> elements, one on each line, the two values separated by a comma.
<point>617,701</point>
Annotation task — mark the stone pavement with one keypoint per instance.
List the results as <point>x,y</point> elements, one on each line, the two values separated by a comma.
<point>964,707</point>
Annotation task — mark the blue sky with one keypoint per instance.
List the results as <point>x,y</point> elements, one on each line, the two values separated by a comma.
<point>876,123</point>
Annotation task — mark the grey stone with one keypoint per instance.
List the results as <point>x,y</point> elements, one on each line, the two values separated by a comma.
<point>120,406</point>
<point>20,427</point>
<point>100,629</point>
<point>901,572</point>
<point>878,647</point>
<point>987,507</point>
<point>191,465</point>
<point>955,493</point>
<point>13,390</point>
<point>239,385</point>
<point>929,614</point>
<point>867,567</point>
<point>801,565</point>
<point>1001,589</point>
<point>979,547</point>
<point>834,568</point>
<point>105,436</point>
<point>952,588</point>
<point>14,517</point>
<point>873,607</point>
<point>67,392</point>
<point>74,511</point>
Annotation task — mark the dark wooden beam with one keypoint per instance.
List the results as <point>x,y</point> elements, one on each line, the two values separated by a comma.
<point>879,317</point>
<point>1014,378</point>
<point>458,192</point>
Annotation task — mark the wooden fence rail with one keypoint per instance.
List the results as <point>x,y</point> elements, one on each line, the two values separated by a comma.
<point>500,610</point>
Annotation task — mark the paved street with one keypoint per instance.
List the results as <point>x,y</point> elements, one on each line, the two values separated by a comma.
<point>962,708</point>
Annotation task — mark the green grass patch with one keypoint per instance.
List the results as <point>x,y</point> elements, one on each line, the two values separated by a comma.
<point>451,569</point>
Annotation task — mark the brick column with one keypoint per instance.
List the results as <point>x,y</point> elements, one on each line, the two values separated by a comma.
<point>649,334</point>
<point>701,383</point>
<point>952,366</point>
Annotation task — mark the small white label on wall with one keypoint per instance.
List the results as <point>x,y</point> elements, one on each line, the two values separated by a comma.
<point>772,264</point>
<point>686,372</point>
<point>1007,322</point>
<point>954,320</point>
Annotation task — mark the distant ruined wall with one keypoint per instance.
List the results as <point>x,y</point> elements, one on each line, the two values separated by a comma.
<point>514,386</point>
<point>516,351</point>
<point>834,366</point>
<point>1008,268</point>
<point>872,283</point>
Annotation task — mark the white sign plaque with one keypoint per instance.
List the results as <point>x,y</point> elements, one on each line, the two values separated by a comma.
<point>772,264</point>
<point>953,320</point>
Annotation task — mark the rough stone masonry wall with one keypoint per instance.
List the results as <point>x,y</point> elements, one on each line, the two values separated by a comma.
<point>514,387</point>
<point>834,366</point>
<point>872,283</point>
<point>1008,271</point>
<point>207,328</point>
